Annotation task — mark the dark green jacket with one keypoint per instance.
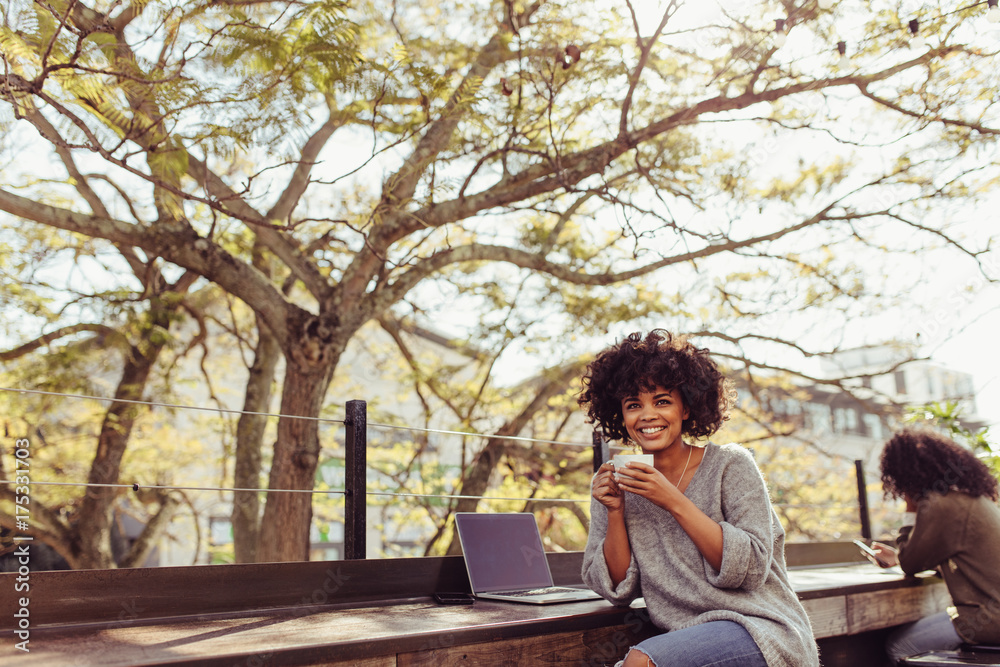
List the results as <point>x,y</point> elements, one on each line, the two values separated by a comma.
<point>959,535</point>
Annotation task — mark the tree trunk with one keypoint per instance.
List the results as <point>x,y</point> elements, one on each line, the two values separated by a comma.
<point>93,528</point>
<point>284,531</point>
<point>150,536</point>
<point>249,443</point>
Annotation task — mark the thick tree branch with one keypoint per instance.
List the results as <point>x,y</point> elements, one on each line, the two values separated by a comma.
<point>225,199</point>
<point>299,180</point>
<point>80,181</point>
<point>46,525</point>
<point>273,239</point>
<point>535,262</point>
<point>547,177</point>
<point>403,183</point>
<point>31,346</point>
<point>399,187</point>
<point>47,130</point>
<point>181,247</point>
<point>152,531</point>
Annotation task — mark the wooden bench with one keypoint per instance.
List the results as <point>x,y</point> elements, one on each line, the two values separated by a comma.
<point>380,613</point>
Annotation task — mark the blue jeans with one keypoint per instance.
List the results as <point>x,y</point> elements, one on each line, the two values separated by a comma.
<point>716,643</point>
<point>929,633</point>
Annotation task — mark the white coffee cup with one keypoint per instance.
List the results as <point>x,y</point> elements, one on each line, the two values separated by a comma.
<point>622,460</point>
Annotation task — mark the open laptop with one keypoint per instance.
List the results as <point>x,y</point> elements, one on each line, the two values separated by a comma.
<point>506,561</point>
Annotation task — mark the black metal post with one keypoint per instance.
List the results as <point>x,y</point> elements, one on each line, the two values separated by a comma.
<point>355,480</point>
<point>866,523</point>
<point>602,452</point>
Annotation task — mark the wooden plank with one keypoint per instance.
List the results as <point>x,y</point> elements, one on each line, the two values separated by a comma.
<point>881,609</point>
<point>846,580</point>
<point>589,648</point>
<point>59,597</point>
<point>337,635</point>
<point>72,596</point>
<point>422,633</point>
<point>341,613</point>
<point>378,661</point>
<point>141,594</point>
<point>828,616</point>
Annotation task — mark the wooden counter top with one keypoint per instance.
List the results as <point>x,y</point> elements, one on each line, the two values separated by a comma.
<point>311,635</point>
<point>133,628</point>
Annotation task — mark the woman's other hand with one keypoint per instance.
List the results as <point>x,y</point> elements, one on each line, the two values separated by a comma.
<point>887,556</point>
<point>606,490</point>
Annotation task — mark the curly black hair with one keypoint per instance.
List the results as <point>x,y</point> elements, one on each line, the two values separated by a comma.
<point>917,461</point>
<point>661,359</point>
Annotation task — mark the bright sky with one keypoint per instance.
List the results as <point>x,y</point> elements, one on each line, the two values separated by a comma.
<point>962,331</point>
<point>973,349</point>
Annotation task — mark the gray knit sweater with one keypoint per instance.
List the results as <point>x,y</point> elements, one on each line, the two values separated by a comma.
<point>681,589</point>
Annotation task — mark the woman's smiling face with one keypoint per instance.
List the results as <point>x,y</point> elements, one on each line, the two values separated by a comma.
<point>654,419</point>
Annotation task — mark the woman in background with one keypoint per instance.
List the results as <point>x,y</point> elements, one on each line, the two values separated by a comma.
<point>694,533</point>
<point>952,525</point>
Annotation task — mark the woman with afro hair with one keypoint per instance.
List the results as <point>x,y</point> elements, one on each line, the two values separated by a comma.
<point>694,534</point>
<point>952,524</point>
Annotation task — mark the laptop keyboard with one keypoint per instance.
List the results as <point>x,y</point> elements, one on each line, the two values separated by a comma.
<point>540,591</point>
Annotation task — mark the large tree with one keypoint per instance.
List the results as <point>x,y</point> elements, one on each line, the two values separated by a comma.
<point>120,334</point>
<point>378,152</point>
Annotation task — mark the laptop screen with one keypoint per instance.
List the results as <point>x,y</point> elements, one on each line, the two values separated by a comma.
<point>503,552</point>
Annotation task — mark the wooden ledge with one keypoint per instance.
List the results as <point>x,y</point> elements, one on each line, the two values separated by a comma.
<point>850,600</point>
<point>379,612</point>
<point>317,635</point>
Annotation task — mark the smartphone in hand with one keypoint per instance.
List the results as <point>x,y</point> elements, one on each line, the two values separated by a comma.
<point>871,553</point>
